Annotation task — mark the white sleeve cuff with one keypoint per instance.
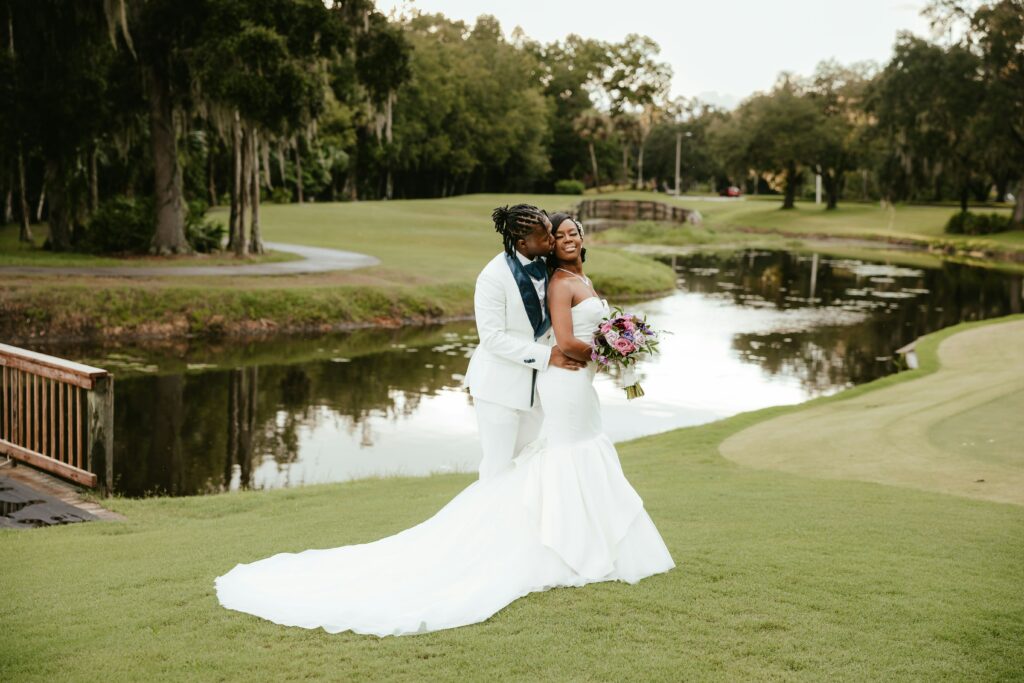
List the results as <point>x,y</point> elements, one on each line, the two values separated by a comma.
<point>542,356</point>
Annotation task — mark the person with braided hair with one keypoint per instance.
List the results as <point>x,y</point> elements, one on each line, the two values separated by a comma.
<point>515,338</point>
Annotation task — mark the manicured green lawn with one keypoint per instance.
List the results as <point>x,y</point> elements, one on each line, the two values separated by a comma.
<point>853,220</point>
<point>779,576</point>
<point>435,241</point>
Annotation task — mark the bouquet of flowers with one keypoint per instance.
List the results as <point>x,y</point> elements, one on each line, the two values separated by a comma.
<point>622,339</point>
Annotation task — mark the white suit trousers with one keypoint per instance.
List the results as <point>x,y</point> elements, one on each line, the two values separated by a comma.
<point>503,433</point>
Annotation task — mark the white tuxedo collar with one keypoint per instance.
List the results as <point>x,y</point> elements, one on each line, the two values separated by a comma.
<point>524,260</point>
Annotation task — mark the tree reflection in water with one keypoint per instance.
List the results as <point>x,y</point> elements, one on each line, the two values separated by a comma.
<point>898,305</point>
<point>202,432</point>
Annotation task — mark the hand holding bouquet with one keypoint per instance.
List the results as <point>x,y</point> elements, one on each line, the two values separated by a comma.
<point>622,339</point>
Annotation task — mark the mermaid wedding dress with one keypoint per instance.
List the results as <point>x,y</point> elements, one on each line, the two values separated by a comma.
<point>563,516</point>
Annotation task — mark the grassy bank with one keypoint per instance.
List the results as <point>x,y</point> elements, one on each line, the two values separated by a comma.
<point>760,218</point>
<point>430,251</point>
<point>779,576</point>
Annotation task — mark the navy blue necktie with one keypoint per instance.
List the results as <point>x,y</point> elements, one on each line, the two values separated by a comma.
<point>538,270</point>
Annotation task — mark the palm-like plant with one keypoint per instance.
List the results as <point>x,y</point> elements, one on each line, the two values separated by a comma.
<point>593,126</point>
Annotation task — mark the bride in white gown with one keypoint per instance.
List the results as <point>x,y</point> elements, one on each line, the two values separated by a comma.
<point>563,516</point>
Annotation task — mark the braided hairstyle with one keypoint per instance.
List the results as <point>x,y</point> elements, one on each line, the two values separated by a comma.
<point>514,223</point>
<point>559,218</point>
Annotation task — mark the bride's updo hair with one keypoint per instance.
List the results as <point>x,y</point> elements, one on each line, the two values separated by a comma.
<point>558,218</point>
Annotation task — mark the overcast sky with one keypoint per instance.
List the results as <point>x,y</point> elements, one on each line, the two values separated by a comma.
<point>719,51</point>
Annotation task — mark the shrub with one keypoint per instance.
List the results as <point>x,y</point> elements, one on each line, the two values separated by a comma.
<point>203,235</point>
<point>568,187</point>
<point>967,223</point>
<point>121,225</point>
<point>281,195</point>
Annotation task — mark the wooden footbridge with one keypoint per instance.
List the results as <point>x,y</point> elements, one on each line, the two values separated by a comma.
<point>57,416</point>
<point>601,214</point>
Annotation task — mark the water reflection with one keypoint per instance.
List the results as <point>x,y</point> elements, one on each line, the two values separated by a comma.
<point>749,330</point>
<point>847,317</point>
<point>276,423</point>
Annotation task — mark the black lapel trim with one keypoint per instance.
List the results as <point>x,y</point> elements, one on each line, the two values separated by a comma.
<point>529,296</point>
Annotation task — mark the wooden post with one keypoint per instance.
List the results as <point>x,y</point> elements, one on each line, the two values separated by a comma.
<point>62,392</point>
<point>16,405</point>
<point>54,407</point>
<point>100,439</point>
<point>32,412</point>
<point>80,461</point>
<point>45,409</point>
<point>6,417</point>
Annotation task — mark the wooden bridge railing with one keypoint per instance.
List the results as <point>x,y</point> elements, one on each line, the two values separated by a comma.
<point>57,415</point>
<point>630,210</point>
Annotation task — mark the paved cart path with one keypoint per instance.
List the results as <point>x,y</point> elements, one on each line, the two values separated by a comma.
<point>315,260</point>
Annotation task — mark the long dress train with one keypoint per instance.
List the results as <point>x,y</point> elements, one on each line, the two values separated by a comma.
<point>565,515</point>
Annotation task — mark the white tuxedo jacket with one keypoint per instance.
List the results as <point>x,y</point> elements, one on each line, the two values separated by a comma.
<point>503,364</point>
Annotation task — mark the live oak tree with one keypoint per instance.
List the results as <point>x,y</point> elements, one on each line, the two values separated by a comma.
<point>689,121</point>
<point>54,102</point>
<point>160,34</point>
<point>471,116</point>
<point>838,93</point>
<point>12,156</point>
<point>570,71</point>
<point>636,84</point>
<point>382,65</point>
<point>925,101</point>
<point>778,132</point>
<point>260,67</point>
<point>995,33</point>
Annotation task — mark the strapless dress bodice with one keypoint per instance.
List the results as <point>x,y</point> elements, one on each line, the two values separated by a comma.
<point>586,316</point>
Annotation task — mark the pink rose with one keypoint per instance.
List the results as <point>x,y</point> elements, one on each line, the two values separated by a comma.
<point>606,328</point>
<point>623,346</point>
<point>627,324</point>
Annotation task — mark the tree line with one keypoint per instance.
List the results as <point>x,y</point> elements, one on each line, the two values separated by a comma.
<point>941,120</point>
<point>122,120</point>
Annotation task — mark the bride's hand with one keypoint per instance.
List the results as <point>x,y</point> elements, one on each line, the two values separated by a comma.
<point>560,360</point>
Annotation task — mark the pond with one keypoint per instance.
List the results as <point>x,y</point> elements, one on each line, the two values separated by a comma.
<point>748,330</point>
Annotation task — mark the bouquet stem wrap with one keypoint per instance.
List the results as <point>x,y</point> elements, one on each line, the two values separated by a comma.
<point>630,383</point>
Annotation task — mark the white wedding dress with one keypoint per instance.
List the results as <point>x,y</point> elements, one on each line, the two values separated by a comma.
<point>563,516</point>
